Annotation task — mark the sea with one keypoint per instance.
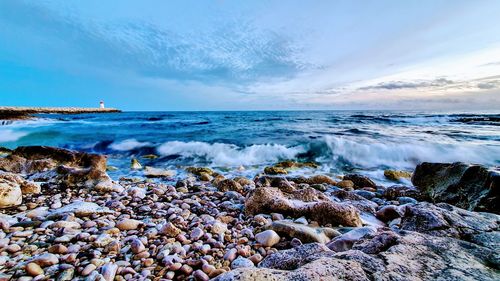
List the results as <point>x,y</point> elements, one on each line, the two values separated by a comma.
<point>242,143</point>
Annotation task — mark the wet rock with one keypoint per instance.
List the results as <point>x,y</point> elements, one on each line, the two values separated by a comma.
<point>346,184</point>
<point>108,271</point>
<point>360,181</point>
<point>317,179</point>
<point>152,172</point>
<point>135,164</point>
<point>470,187</point>
<point>59,166</point>
<point>229,185</point>
<point>275,171</point>
<point>267,238</point>
<point>345,241</point>
<point>198,171</point>
<point>396,175</point>
<point>199,275</point>
<point>306,234</point>
<point>389,212</point>
<point>394,192</point>
<point>44,260</point>
<point>306,202</point>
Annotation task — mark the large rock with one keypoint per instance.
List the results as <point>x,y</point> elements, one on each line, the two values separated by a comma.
<point>470,187</point>
<point>386,255</point>
<point>360,181</point>
<point>306,202</point>
<point>64,167</point>
<point>10,193</point>
<point>446,220</point>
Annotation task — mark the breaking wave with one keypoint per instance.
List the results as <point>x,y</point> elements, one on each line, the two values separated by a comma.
<point>128,144</point>
<point>11,135</point>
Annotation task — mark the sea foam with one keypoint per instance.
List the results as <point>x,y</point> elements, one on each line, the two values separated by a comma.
<point>128,144</point>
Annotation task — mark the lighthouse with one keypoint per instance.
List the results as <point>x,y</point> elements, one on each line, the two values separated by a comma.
<point>101,105</point>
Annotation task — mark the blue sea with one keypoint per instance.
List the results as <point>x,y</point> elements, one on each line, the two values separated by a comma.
<point>242,143</point>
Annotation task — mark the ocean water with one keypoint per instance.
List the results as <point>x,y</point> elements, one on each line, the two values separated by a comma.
<point>242,143</point>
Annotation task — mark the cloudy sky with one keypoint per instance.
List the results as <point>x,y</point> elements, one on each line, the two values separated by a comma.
<point>243,55</point>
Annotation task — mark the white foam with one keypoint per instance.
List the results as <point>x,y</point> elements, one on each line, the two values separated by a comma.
<point>128,144</point>
<point>372,153</point>
<point>221,154</point>
<point>7,135</point>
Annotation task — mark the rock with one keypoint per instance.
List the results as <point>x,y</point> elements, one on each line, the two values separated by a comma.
<point>244,181</point>
<point>275,171</point>
<point>305,202</point>
<point>396,175</point>
<point>345,241</point>
<point>241,262</point>
<point>281,183</point>
<point>448,221</point>
<point>306,234</point>
<point>389,212</point>
<point>33,269</point>
<point>137,246</point>
<point>10,193</point>
<point>66,168</point>
<point>88,269</point>
<point>199,170</point>
<point>199,275</point>
<point>79,209</point>
<point>394,192</point>
<point>170,230</point>
<point>44,260</point>
<point>205,177</point>
<point>229,185</point>
<point>135,164</point>
<point>292,164</point>
<point>317,179</point>
<point>267,238</point>
<point>360,181</point>
<point>346,184</point>
<point>471,187</point>
<point>196,234</point>
<point>406,200</point>
<point>152,172</point>
<point>128,224</point>
<point>218,228</point>
<point>108,271</point>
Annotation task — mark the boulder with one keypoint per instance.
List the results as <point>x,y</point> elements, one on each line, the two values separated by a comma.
<point>229,185</point>
<point>360,181</point>
<point>67,168</point>
<point>152,172</point>
<point>281,183</point>
<point>306,202</point>
<point>471,187</point>
<point>448,221</point>
<point>317,179</point>
<point>384,255</point>
<point>198,171</point>
<point>306,234</point>
<point>275,171</point>
<point>10,193</point>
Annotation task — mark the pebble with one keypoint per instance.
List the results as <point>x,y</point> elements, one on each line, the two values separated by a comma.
<point>268,238</point>
<point>241,262</point>
<point>200,275</point>
<point>46,260</point>
<point>196,234</point>
<point>108,271</point>
<point>137,246</point>
<point>128,224</point>
<point>88,269</point>
<point>33,269</point>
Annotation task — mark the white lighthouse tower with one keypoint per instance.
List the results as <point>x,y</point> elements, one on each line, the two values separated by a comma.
<point>101,105</point>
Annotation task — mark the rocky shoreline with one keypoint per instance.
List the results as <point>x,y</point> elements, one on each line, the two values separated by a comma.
<point>21,113</point>
<point>63,218</point>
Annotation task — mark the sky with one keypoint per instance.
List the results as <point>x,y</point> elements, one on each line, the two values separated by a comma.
<point>251,55</point>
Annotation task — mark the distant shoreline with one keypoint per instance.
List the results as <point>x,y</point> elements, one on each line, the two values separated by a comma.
<point>19,113</point>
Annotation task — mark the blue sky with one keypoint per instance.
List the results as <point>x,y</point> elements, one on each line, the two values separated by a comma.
<point>243,55</point>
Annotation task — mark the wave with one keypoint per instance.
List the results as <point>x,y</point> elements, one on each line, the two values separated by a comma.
<point>11,135</point>
<point>376,153</point>
<point>128,144</point>
<point>222,154</point>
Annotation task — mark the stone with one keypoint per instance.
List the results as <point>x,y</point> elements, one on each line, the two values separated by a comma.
<point>389,212</point>
<point>152,172</point>
<point>316,179</point>
<point>108,271</point>
<point>346,184</point>
<point>136,246</point>
<point>360,181</point>
<point>128,224</point>
<point>196,234</point>
<point>306,234</point>
<point>397,175</point>
<point>218,228</point>
<point>345,241</point>
<point>88,269</point>
<point>241,262</point>
<point>229,185</point>
<point>199,275</point>
<point>199,170</point>
<point>44,260</point>
<point>267,238</point>
<point>170,230</point>
<point>79,209</point>
<point>275,171</point>
<point>10,193</point>
<point>471,187</point>
<point>33,269</point>
<point>305,202</point>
